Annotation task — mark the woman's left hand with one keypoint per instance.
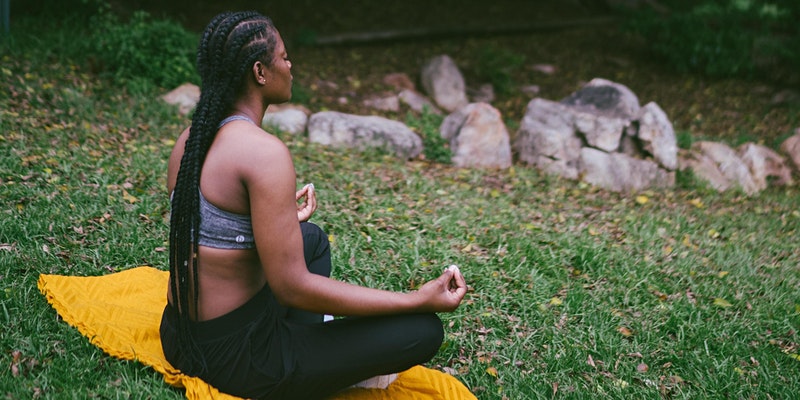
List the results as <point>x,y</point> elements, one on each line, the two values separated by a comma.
<point>306,209</point>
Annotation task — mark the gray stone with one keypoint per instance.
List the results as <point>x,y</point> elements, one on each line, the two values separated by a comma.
<point>388,103</point>
<point>184,96</point>
<point>729,163</point>
<point>657,136</point>
<point>478,137</point>
<point>337,129</point>
<point>444,83</point>
<point>791,147</point>
<point>547,130</point>
<point>603,97</point>
<point>764,163</point>
<point>286,118</point>
<point>620,172</point>
<point>418,102</point>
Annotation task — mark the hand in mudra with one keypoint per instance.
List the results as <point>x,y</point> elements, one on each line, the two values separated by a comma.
<point>306,209</point>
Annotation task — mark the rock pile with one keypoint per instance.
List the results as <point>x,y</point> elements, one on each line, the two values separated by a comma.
<point>600,134</point>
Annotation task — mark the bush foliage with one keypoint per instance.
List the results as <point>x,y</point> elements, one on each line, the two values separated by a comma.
<point>144,50</point>
<point>723,38</point>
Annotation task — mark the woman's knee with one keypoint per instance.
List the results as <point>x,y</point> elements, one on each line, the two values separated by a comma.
<point>429,331</point>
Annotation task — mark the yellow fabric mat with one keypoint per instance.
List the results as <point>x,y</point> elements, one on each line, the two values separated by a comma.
<point>121,312</point>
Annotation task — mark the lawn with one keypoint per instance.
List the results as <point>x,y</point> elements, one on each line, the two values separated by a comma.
<point>575,292</point>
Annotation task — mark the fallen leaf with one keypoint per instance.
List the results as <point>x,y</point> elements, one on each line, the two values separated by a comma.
<point>492,371</point>
<point>720,302</point>
<point>624,331</point>
<point>642,368</point>
<point>642,199</point>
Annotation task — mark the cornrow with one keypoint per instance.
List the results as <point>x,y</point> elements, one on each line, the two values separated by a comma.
<point>230,44</point>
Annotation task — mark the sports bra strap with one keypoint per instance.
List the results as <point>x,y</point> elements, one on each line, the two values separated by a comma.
<point>235,117</point>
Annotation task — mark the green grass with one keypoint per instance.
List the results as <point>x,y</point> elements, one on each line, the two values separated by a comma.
<point>574,292</point>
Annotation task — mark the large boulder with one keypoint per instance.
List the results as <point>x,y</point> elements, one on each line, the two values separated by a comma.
<point>337,129</point>
<point>595,130</point>
<point>478,137</point>
<point>547,138</point>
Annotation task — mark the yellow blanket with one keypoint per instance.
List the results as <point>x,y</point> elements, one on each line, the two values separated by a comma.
<point>121,312</point>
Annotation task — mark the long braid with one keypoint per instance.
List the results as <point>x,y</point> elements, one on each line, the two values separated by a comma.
<point>229,46</point>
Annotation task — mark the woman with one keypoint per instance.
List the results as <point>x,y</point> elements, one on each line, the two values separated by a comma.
<point>248,274</point>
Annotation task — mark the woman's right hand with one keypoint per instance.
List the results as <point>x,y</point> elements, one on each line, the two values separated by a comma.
<point>445,292</point>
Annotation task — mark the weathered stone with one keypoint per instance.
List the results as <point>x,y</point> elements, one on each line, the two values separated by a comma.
<point>418,102</point>
<point>184,96</point>
<point>399,81</point>
<point>547,131</point>
<point>603,97</point>
<point>620,172</point>
<point>287,119</point>
<point>657,136</point>
<point>337,129</point>
<point>704,168</point>
<point>444,83</point>
<point>478,137</point>
<point>791,147</point>
<point>729,164</point>
<point>764,163</point>
<point>600,131</point>
<point>389,103</point>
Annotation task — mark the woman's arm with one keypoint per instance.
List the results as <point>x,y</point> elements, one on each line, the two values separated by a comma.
<point>269,175</point>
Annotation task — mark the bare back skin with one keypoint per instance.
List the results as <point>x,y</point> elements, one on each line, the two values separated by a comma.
<point>249,171</point>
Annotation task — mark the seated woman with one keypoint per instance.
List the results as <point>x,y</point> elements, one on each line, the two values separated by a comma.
<point>248,274</point>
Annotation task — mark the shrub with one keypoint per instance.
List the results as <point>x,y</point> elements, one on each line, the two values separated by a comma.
<point>723,38</point>
<point>144,51</point>
<point>496,66</point>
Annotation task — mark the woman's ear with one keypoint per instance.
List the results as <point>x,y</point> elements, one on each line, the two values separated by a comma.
<point>260,73</point>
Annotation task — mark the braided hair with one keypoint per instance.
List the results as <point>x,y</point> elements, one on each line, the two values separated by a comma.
<point>230,44</point>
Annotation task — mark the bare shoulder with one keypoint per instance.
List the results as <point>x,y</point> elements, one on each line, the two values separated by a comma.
<point>258,155</point>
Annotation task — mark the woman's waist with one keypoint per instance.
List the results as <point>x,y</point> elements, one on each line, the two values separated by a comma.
<point>234,320</point>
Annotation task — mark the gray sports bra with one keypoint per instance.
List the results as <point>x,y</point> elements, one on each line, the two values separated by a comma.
<point>223,229</point>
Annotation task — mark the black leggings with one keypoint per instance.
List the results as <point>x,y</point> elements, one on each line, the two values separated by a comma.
<point>263,350</point>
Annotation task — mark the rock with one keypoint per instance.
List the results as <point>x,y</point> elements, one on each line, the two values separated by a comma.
<point>389,103</point>
<point>547,139</point>
<point>547,69</point>
<point>602,135</point>
<point>443,82</point>
<point>764,163</point>
<point>729,165</point>
<point>418,102</point>
<point>620,172</point>
<point>483,94</point>
<point>657,136</point>
<point>530,90</point>
<point>286,118</point>
<point>606,98</point>
<point>184,96</point>
<point>399,81</point>
<point>337,129</point>
<point>704,168</point>
<point>478,137</point>
<point>791,147</point>
<point>603,109</point>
